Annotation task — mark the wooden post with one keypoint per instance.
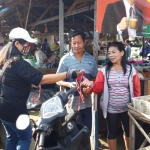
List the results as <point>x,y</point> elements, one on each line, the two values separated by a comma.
<point>144,142</point>
<point>143,48</point>
<point>96,35</point>
<point>94,108</point>
<point>132,135</point>
<point>28,14</point>
<point>61,27</point>
<point>133,132</point>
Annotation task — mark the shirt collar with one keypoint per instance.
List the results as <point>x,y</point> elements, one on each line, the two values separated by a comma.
<point>72,53</point>
<point>127,5</point>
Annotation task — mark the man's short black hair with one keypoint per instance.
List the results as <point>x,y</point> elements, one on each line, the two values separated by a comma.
<point>45,40</point>
<point>128,41</point>
<point>78,32</point>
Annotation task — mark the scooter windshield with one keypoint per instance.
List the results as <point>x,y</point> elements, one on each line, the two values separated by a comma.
<point>52,107</point>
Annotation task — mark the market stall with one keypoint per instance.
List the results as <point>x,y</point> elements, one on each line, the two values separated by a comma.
<point>139,111</point>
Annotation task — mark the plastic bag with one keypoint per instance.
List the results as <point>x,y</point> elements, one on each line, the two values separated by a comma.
<point>46,94</point>
<point>40,57</point>
<point>34,99</point>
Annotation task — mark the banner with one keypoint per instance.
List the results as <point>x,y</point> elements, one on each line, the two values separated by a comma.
<point>128,17</point>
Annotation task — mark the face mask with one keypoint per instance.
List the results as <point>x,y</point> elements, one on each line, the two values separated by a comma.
<point>25,50</point>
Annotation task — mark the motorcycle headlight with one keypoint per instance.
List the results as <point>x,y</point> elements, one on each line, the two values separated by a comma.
<point>52,107</point>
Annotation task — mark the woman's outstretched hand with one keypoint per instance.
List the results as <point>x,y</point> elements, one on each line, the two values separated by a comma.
<point>87,83</point>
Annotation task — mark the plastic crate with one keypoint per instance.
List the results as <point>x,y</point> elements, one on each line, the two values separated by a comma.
<point>142,104</point>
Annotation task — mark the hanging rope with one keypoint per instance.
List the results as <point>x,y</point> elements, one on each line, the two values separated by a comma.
<point>79,88</point>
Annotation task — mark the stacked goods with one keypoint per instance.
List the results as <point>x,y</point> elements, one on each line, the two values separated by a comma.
<point>146,74</point>
<point>142,104</point>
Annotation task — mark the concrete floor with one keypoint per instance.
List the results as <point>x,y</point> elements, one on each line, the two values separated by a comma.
<point>103,141</point>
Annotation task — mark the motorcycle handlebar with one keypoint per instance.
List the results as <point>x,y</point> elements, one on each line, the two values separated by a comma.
<point>72,90</point>
<point>41,141</point>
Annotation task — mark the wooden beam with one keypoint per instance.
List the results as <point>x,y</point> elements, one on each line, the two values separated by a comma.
<point>8,1</point>
<point>33,16</point>
<point>89,33</point>
<point>85,1</point>
<point>65,15</point>
<point>37,13</point>
<point>44,13</point>
<point>28,14</point>
<point>7,12</point>
<point>89,18</point>
<point>14,3</point>
<point>72,6</point>
<point>34,5</point>
<point>82,5</point>
<point>68,24</point>
<point>43,5</point>
<point>84,17</point>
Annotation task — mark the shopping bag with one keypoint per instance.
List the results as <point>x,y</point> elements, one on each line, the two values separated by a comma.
<point>34,100</point>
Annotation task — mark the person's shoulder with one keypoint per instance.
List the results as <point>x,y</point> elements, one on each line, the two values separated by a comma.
<point>21,61</point>
<point>89,56</point>
<point>103,69</point>
<point>138,10</point>
<point>115,4</point>
<point>65,57</point>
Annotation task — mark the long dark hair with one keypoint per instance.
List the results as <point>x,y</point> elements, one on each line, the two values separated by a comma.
<point>120,46</point>
<point>5,53</point>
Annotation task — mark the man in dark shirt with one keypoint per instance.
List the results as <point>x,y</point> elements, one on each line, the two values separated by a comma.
<point>46,48</point>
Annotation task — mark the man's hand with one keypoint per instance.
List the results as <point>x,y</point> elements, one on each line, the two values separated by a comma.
<point>71,84</point>
<point>123,23</point>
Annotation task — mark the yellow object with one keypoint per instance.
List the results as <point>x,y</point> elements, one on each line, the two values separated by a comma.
<point>53,46</point>
<point>148,1</point>
<point>35,53</point>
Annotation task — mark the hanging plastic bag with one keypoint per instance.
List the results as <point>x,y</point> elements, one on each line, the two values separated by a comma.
<point>34,99</point>
<point>40,57</point>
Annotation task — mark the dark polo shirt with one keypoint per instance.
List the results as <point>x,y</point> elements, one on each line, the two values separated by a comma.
<point>15,88</point>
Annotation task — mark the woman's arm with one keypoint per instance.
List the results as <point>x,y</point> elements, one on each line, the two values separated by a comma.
<point>53,78</point>
<point>136,85</point>
<point>98,86</point>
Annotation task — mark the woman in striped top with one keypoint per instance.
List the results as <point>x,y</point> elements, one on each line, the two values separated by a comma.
<point>118,82</point>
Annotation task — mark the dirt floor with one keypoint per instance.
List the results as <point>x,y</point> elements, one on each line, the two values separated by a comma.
<point>103,141</point>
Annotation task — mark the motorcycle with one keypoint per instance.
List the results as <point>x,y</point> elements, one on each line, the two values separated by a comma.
<point>57,129</point>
